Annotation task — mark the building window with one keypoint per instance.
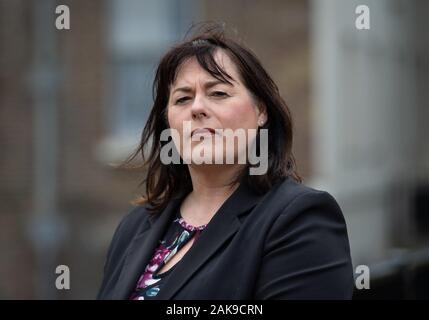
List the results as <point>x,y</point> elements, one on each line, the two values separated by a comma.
<point>140,32</point>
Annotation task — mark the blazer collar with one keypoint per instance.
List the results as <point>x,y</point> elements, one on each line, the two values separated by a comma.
<point>221,227</point>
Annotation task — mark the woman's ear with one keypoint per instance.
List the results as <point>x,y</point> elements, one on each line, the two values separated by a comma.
<point>262,117</point>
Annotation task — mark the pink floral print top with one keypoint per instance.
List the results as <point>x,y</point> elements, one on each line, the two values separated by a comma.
<point>177,235</point>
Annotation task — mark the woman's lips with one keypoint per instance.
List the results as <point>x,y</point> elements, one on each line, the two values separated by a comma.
<point>203,131</point>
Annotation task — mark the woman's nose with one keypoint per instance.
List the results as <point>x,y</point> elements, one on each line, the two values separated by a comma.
<point>198,108</point>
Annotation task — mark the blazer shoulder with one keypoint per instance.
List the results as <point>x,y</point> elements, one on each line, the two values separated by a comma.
<point>128,227</point>
<point>306,249</point>
<point>132,221</point>
<point>293,188</point>
<point>297,197</point>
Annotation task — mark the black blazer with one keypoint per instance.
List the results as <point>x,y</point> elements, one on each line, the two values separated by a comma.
<point>290,243</point>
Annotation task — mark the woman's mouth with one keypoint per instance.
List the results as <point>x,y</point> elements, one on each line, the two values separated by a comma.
<point>203,132</point>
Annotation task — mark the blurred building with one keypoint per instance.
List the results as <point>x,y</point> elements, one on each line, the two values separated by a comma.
<point>73,102</point>
<point>369,104</point>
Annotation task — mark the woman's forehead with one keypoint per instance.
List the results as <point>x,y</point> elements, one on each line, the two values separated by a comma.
<point>189,68</point>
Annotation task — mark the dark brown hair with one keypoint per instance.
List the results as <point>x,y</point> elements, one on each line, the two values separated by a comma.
<point>165,182</point>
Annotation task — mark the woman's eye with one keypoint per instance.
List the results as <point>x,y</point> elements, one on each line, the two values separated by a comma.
<point>182,100</point>
<point>219,94</point>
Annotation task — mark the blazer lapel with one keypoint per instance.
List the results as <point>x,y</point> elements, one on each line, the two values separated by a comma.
<point>141,250</point>
<point>223,226</point>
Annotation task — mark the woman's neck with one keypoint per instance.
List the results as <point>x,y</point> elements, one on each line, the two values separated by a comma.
<point>211,188</point>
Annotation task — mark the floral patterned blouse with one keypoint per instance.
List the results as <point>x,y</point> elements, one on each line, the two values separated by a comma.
<point>177,235</point>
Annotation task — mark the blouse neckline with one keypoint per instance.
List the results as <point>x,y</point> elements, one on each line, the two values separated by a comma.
<point>188,226</point>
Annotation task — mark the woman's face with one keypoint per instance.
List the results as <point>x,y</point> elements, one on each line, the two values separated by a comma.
<point>202,102</point>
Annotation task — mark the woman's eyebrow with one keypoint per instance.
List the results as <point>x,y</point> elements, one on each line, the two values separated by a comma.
<point>207,85</point>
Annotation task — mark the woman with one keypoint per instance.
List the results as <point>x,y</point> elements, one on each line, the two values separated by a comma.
<point>218,230</point>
